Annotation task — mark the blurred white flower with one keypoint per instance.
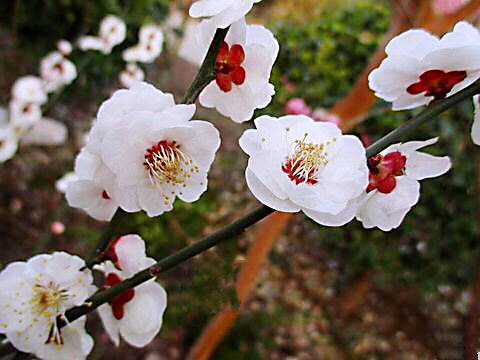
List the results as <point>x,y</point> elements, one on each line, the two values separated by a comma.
<point>56,71</point>
<point>421,67</point>
<point>299,164</point>
<point>149,46</point>
<point>135,314</point>
<point>131,75</point>
<point>393,183</point>
<point>153,148</point>
<point>46,131</point>
<point>112,32</point>
<point>64,47</point>
<point>172,25</point>
<point>475,133</point>
<point>33,294</point>
<point>221,13</point>
<point>192,47</point>
<point>29,89</point>
<point>23,116</point>
<point>242,69</point>
<point>8,142</point>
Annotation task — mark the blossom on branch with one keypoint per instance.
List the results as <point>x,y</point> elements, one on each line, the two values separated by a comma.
<point>149,46</point>
<point>132,74</point>
<point>56,71</point>
<point>421,67</point>
<point>221,13</point>
<point>242,70</point>
<point>33,294</point>
<point>136,314</point>
<point>393,183</point>
<point>299,164</point>
<point>112,32</point>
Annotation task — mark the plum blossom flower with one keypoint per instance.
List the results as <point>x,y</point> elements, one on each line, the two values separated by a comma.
<point>149,46</point>
<point>33,294</point>
<point>299,164</point>
<point>221,13</point>
<point>135,314</point>
<point>132,74</point>
<point>29,89</point>
<point>112,32</point>
<point>297,106</point>
<point>393,183</point>
<point>56,71</point>
<point>46,131</point>
<point>242,69</point>
<point>421,67</point>
<point>153,149</point>
<point>23,115</point>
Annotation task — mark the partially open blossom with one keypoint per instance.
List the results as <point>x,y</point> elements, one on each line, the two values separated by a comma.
<point>475,133</point>
<point>298,106</point>
<point>421,67</point>
<point>393,183</point>
<point>64,47</point>
<point>29,89</point>
<point>135,314</point>
<point>221,13</point>
<point>132,74</point>
<point>242,69</point>
<point>299,164</point>
<point>56,71</point>
<point>153,149</point>
<point>33,294</point>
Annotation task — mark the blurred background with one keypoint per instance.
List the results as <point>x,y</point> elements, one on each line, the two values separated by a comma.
<point>322,293</point>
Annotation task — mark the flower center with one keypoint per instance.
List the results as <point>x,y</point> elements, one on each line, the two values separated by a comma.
<point>166,163</point>
<point>437,83</point>
<point>121,299</point>
<point>227,66</point>
<point>305,161</point>
<point>384,169</point>
<point>48,301</point>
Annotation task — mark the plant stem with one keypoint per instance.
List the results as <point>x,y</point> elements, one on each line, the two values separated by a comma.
<point>206,73</point>
<point>432,110</point>
<point>228,232</point>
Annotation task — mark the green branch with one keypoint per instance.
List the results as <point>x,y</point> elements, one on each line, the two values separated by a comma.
<point>432,110</point>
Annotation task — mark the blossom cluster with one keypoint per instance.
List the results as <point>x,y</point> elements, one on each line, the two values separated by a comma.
<point>35,294</point>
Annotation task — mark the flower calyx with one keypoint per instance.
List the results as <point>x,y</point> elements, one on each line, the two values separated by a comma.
<point>383,170</point>
<point>228,67</point>
<point>118,302</point>
<point>437,83</point>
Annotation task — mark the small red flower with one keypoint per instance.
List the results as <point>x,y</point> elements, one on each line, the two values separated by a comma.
<point>228,67</point>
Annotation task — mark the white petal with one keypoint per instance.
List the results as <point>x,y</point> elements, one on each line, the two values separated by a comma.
<point>111,325</point>
<point>476,121</point>
<point>46,132</point>
<point>422,166</point>
<point>250,141</point>
<point>83,194</point>
<point>343,217</point>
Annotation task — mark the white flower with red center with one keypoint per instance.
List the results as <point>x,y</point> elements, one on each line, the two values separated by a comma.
<point>29,89</point>
<point>149,46</point>
<point>112,32</point>
<point>299,164</point>
<point>131,75</point>
<point>153,149</point>
<point>221,13</point>
<point>92,188</point>
<point>136,314</point>
<point>242,69</point>
<point>393,183</point>
<point>476,121</point>
<point>56,71</point>
<point>421,67</point>
<point>33,294</point>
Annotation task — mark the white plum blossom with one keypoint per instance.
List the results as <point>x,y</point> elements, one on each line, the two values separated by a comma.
<point>476,121</point>
<point>29,89</point>
<point>149,46</point>
<point>221,13</point>
<point>23,115</point>
<point>46,131</point>
<point>421,67</point>
<point>56,71</point>
<point>393,183</point>
<point>112,32</point>
<point>92,189</point>
<point>298,164</point>
<point>153,149</point>
<point>64,47</point>
<point>8,142</point>
<point>136,314</point>
<point>242,69</point>
<point>132,74</point>
<point>33,294</point>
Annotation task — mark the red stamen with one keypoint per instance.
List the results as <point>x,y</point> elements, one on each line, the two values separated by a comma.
<point>437,83</point>
<point>105,195</point>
